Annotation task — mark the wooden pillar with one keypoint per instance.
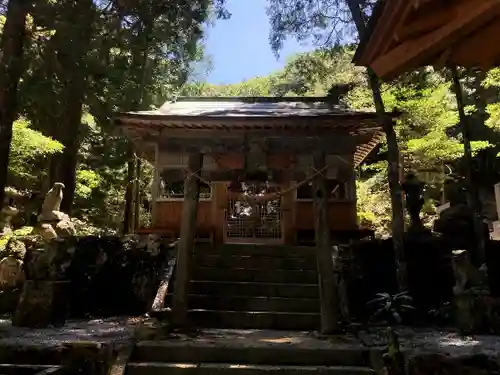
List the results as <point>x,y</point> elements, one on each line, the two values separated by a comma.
<point>186,242</point>
<point>327,282</point>
<point>287,211</point>
<point>219,204</point>
<point>473,200</point>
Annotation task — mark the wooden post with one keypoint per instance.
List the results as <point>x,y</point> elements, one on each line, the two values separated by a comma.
<point>473,192</point>
<point>186,242</point>
<point>327,284</point>
<point>393,159</point>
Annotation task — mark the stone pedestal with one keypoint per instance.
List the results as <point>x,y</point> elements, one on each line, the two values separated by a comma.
<point>477,313</point>
<point>42,303</point>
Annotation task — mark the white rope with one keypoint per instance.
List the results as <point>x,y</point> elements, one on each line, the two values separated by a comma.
<point>265,197</point>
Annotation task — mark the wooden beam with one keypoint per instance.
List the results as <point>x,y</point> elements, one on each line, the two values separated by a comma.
<point>307,145</point>
<point>313,131</point>
<point>485,47</point>
<point>203,145</point>
<point>186,242</point>
<point>328,287</point>
<point>318,126</point>
<point>385,26</point>
<point>412,54</point>
<point>275,175</point>
<point>333,145</point>
<point>428,23</point>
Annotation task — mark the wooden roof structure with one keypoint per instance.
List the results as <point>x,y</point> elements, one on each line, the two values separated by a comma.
<point>276,116</point>
<point>403,35</point>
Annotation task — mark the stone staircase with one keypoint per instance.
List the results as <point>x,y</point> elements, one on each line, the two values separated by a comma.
<point>237,353</point>
<point>256,306</point>
<point>254,287</point>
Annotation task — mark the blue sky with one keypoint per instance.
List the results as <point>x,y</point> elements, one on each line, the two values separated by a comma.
<point>239,47</point>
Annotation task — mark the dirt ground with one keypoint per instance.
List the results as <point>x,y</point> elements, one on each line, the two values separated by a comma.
<point>121,330</point>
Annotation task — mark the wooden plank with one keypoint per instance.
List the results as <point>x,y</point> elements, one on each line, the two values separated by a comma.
<point>327,284</point>
<point>186,242</point>
<point>470,15</point>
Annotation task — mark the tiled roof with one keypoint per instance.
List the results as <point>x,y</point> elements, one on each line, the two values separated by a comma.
<point>249,107</point>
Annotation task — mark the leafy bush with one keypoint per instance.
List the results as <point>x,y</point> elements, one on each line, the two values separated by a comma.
<point>390,308</point>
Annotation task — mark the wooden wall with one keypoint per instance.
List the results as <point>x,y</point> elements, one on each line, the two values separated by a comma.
<point>342,215</point>
<point>169,215</point>
<point>296,216</point>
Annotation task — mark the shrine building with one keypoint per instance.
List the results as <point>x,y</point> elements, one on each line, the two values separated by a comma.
<point>255,160</point>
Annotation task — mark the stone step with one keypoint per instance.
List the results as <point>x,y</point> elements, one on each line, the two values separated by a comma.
<point>253,289</point>
<point>257,275</point>
<point>18,369</point>
<point>181,351</point>
<point>254,320</point>
<point>254,262</point>
<point>266,250</point>
<point>237,303</point>
<point>156,368</point>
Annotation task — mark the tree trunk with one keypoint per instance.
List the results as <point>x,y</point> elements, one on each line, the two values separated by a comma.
<point>471,186</point>
<point>137,203</point>
<point>129,193</point>
<point>139,62</point>
<point>393,159</point>
<point>11,68</point>
<point>74,78</point>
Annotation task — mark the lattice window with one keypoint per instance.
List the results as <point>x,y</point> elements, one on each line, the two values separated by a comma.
<point>174,189</point>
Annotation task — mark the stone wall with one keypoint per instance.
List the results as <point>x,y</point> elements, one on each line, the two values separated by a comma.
<point>89,276</point>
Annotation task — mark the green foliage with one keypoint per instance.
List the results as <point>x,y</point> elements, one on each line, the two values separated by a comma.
<point>373,204</point>
<point>4,240</point>
<point>87,180</point>
<point>29,149</point>
<point>391,308</point>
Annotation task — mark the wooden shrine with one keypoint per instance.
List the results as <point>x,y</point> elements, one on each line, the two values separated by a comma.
<point>255,161</point>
